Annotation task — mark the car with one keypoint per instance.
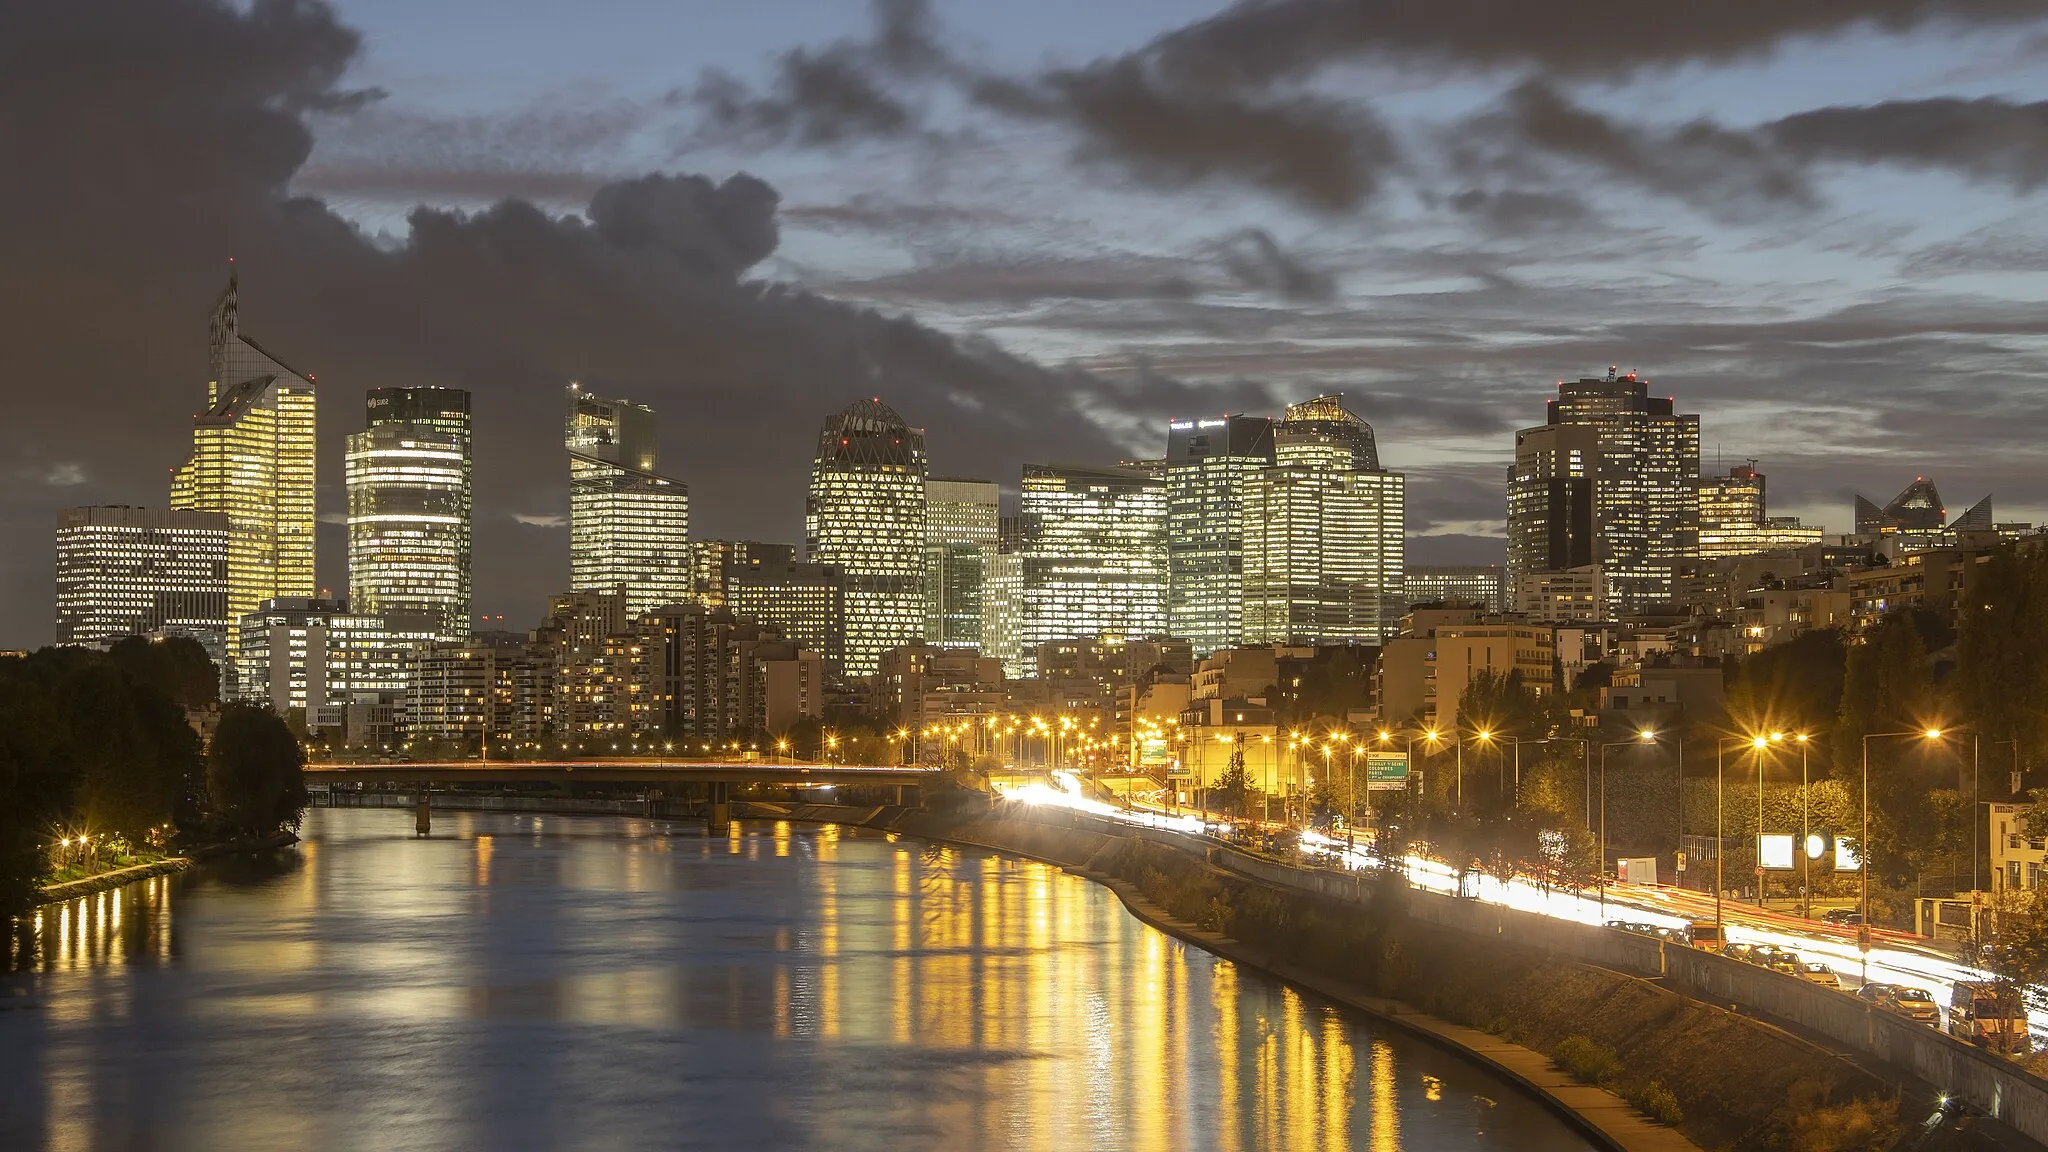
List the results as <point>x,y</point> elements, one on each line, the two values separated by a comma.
<point>1818,973</point>
<point>1876,993</point>
<point>1914,1004</point>
<point>1671,935</point>
<point>1787,962</point>
<point>1842,917</point>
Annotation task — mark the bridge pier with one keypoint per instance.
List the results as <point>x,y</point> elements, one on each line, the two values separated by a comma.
<point>718,807</point>
<point>423,814</point>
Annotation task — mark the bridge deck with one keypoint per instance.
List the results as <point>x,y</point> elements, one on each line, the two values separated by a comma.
<point>617,771</point>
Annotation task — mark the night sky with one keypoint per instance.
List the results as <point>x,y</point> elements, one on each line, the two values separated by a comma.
<point>1039,230</point>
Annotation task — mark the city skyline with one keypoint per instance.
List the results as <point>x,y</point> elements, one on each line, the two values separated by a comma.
<point>1846,316</point>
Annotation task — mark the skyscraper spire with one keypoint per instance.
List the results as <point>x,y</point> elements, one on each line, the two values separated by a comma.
<point>224,324</point>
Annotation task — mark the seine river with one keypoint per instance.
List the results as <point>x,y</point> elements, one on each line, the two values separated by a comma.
<point>527,982</point>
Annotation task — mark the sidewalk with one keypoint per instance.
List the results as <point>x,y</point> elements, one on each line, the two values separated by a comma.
<point>1599,1114</point>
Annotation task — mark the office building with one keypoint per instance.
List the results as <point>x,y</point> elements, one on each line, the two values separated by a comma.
<point>409,507</point>
<point>961,538</point>
<point>1611,479</point>
<point>711,558</point>
<point>1092,549</point>
<point>629,525</point>
<point>866,515</point>
<point>1485,584</point>
<point>124,571</point>
<point>1323,534</point>
<point>1209,462</point>
<point>806,602</point>
<point>1734,520</point>
<point>305,652</point>
<point>253,462</point>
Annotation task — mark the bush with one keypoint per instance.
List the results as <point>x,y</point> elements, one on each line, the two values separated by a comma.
<point>1851,1127</point>
<point>1585,1061</point>
<point>1656,1101</point>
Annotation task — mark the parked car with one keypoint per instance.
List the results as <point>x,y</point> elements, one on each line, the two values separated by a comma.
<point>1705,935</point>
<point>1819,973</point>
<point>1743,952</point>
<point>1914,1004</point>
<point>1787,962</point>
<point>1875,992</point>
<point>1988,1014</point>
<point>1672,935</point>
<point>1842,917</point>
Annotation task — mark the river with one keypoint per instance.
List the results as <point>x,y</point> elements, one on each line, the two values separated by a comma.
<point>541,982</point>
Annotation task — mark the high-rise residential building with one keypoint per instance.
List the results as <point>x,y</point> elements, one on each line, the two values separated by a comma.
<point>1208,464</point>
<point>1093,552</point>
<point>1628,500</point>
<point>307,652</point>
<point>1002,620</point>
<point>1458,584</point>
<point>1324,534</point>
<point>806,601</point>
<point>711,558</point>
<point>124,571</point>
<point>961,538</point>
<point>409,507</point>
<point>629,525</point>
<point>866,515</point>
<point>1734,520</point>
<point>253,461</point>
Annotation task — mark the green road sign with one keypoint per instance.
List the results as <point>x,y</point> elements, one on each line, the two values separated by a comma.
<point>1386,771</point>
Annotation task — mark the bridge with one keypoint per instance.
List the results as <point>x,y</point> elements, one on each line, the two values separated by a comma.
<point>718,776</point>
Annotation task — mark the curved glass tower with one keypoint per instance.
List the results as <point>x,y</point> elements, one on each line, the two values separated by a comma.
<point>866,515</point>
<point>409,502</point>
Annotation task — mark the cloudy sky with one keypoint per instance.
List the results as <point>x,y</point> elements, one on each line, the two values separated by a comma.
<point>1040,230</point>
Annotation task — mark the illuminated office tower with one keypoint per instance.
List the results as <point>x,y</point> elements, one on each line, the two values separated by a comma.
<point>1324,534</point>
<point>961,519</point>
<point>253,461</point>
<point>1092,549</point>
<point>711,559</point>
<point>1208,464</point>
<point>806,601</point>
<point>1735,522</point>
<point>303,652</point>
<point>1612,478</point>
<point>866,515</point>
<point>409,501</point>
<point>629,526</point>
<point>125,571</point>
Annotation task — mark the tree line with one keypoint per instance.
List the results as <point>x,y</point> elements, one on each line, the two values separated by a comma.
<point>102,745</point>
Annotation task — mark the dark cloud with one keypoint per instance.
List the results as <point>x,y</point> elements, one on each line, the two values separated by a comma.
<point>1013,280</point>
<point>1998,249</point>
<point>1513,211</point>
<point>1989,139</point>
<point>1255,260</point>
<point>1257,43</point>
<point>179,127</point>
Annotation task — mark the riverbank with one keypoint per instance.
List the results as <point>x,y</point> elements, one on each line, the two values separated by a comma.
<point>106,881</point>
<point>1736,1082</point>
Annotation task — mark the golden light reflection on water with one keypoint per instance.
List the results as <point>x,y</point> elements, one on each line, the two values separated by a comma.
<point>956,999</point>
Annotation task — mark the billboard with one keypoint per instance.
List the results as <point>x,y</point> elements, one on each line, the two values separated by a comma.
<point>1774,851</point>
<point>1386,771</point>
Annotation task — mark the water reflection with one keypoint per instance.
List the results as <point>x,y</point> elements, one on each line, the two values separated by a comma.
<point>521,981</point>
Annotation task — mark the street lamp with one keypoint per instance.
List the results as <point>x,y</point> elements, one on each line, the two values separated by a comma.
<point>1644,736</point>
<point>1863,840</point>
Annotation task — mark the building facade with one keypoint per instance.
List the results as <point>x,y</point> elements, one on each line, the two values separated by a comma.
<point>253,462</point>
<point>307,652</point>
<point>629,525</point>
<point>866,515</point>
<point>1092,546</point>
<point>125,571</point>
<point>1209,464</point>
<point>1484,584</point>
<point>1735,521</point>
<point>806,602</point>
<point>410,500</point>
<point>961,537</point>
<point>709,560</point>
<point>1323,534</point>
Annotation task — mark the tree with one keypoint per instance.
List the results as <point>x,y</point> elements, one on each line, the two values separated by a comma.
<point>2001,683</point>
<point>255,772</point>
<point>36,782</point>
<point>1791,687</point>
<point>137,759</point>
<point>176,666</point>
<point>1233,787</point>
<point>1888,686</point>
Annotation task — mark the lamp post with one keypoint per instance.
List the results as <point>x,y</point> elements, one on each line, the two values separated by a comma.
<point>1805,833</point>
<point>1721,747</point>
<point>1863,842</point>
<point>1486,736</point>
<point>1645,736</point>
<point>1773,738</point>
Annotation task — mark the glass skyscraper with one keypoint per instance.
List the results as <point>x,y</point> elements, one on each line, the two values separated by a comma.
<point>409,507</point>
<point>961,519</point>
<point>1092,549</point>
<point>1208,464</point>
<point>125,571</point>
<point>629,526</point>
<point>1324,533</point>
<point>866,515</point>
<point>253,461</point>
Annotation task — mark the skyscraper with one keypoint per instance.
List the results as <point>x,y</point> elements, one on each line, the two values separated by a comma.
<point>1324,534</point>
<point>1093,552</point>
<point>711,559</point>
<point>1644,477</point>
<point>1208,464</point>
<point>409,507</point>
<point>961,518</point>
<point>629,526</point>
<point>866,515</point>
<point>806,601</point>
<point>1550,500</point>
<point>1734,519</point>
<point>253,461</point>
<point>125,571</point>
